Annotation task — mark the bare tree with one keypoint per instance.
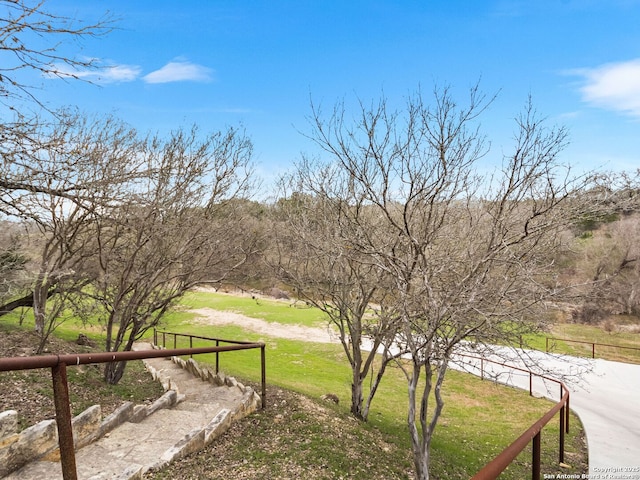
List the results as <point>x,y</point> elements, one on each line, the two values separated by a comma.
<point>609,256</point>
<point>31,38</point>
<point>602,266</point>
<point>31,41</point>
<point>314,235</point>
<point>470,255</point>
<point>139,220</point>
<point>12,263</point>
<point>54,176</point>
<point>176,228</point>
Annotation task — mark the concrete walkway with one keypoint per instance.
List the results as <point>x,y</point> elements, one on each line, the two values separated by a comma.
<point>203,410</point>
<point>604,395</point>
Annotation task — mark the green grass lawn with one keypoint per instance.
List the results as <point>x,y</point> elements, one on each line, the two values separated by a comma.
<point>480,418</point>
<point>603,339</point>
<point>68,330</point>
<point>607,346</point>
<point>281,311</point>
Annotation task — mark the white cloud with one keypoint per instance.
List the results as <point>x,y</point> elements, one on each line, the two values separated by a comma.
<point>121,73</point>
<point>180,71</point>
<point>175,71</point>
<point>613,86</point>
<point>102,75</point>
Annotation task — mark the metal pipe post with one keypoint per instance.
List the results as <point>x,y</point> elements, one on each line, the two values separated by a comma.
<point>567,416</point>
<point>63,421</point>
<point>561,446</point>
<point>535,458</point>
<point>264,377</point>
<point>217,358</point>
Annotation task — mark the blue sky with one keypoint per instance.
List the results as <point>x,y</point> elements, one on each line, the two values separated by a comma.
<point>220,63</point>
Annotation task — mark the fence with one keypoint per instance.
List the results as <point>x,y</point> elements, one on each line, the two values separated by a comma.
<point>160,333</point>
<point>496,466</point>
<point>58,365</point>
<point>593,345</point>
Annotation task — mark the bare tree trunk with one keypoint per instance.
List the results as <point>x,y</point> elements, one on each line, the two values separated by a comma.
<point>421,437</point>
<point>376,383</point>
<point>113,372</point>
<point>420,456</point>
<point>357,400</point>
<point>40,290</point>
<point>357,396</point>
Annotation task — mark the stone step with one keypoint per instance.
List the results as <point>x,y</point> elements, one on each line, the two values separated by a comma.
<point>130,448</point>
<point>95,471</point>
<point>204,410</point>
<point>207,410</point>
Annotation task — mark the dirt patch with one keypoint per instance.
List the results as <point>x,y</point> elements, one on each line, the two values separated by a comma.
<point>631,328</point>
<point>30,392</point>
<point>208,316</point>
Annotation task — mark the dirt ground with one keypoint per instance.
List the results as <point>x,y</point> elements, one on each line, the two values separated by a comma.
<point>30,392</point>
<point>208,316</point>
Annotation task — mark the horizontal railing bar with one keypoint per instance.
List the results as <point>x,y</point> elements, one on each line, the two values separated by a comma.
<point>50,361</point>
<point>496,466</point>
<point>239,342</point>
<point>593,343</point>
<point>539,375</point>
<point>263,371</point>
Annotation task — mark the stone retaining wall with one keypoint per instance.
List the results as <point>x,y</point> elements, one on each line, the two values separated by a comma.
<point>199,438</point>
<point>41,440</point>
<point>251,401</point>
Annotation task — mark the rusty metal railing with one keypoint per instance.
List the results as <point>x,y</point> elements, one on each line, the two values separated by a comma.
<point>593,345</point>
<point>59,363</point>
<point>533,434</point>
<point>157,334</point>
